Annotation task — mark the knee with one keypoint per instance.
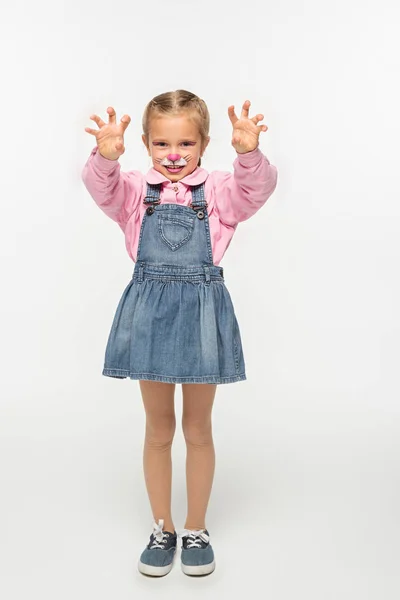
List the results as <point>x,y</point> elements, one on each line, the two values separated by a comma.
<point>197,433</point>
<point>161,432</point>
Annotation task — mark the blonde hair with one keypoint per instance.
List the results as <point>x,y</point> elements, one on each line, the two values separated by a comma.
<point>174,103</point>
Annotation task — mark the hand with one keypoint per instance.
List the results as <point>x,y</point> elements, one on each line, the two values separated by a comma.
<point>245,131</point>
<point>110,136</point>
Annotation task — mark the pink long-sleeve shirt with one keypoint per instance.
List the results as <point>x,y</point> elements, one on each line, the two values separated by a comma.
<point>231,197</point>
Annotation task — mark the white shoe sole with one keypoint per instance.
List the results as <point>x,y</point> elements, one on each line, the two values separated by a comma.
<point>154,571</point>
<point>198,569</point>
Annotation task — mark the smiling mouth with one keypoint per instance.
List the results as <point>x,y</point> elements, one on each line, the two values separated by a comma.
<point>174,169</point>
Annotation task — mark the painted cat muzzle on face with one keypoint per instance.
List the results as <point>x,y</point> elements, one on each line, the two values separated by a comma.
<point>173,160</point>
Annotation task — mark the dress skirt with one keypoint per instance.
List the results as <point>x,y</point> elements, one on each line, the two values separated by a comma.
<point>176,325</point>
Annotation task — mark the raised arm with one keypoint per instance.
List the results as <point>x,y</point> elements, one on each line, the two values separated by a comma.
<point>243,193</point>
<point>117,193</point>
<point>240,194</point>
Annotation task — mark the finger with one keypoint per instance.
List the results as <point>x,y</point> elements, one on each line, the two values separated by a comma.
<point>125,120</point>
<point>232,114</point>
<point>111,115</point>
<point>245,108</point>
<point>92,131</point>
<point>97,120</point>
<point>262,128</point>
<point>257,118</point>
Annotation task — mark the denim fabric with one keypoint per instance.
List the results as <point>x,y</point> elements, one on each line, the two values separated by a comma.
<point>196,557</point>
<point>175,321</point>
<point>159,557</point>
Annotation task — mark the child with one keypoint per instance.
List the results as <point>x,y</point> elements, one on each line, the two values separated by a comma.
<point>175,322</point>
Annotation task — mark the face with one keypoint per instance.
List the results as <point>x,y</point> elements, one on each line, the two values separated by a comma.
<point>174,145</point>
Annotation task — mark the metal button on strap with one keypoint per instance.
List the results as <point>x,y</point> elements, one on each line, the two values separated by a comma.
<point>200,214</point>
<point>150,210</point>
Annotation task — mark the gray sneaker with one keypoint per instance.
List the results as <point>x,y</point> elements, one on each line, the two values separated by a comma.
<point>197,556</point>
<point>157,558</point>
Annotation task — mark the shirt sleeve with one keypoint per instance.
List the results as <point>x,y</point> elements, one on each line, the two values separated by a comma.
<point>240,194</point>
<point>117,193</point>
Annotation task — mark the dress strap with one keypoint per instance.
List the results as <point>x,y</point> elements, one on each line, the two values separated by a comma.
<point>198,199</point>
<point>153,193</point>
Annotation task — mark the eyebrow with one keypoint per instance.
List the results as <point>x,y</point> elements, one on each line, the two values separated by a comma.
<point>182,140</point>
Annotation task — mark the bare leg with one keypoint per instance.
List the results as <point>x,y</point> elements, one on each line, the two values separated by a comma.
<point>198,401</point>
<point>158,400</point>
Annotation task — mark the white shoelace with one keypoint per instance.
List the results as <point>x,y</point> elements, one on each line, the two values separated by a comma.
<point>159,535</point>
<point>193,534</point>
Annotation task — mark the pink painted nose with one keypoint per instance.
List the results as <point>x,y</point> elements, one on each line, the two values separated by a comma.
<point>173,157</point>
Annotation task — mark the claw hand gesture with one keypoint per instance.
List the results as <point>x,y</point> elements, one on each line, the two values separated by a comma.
<point>110,136</point>
<point>245,131</point>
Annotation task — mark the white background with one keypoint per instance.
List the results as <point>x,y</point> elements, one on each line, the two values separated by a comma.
<point>306,495</point>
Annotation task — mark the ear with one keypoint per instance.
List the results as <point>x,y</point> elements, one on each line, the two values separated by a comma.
<point>205,145</point>
<point>145,143</point>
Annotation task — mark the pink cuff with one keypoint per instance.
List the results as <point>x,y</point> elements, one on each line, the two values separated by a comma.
<point>251,159</point>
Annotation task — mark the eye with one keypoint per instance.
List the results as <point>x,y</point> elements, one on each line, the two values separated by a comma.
<point>188,143</point>
<point>159,143</point>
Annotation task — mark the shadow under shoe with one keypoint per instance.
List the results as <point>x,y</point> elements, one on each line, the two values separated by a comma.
<point>157,558</point>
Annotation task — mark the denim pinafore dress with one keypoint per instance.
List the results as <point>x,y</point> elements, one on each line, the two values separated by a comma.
<point>175,321</point>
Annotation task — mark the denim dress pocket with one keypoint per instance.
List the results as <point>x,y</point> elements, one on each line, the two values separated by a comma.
<point>175,230</point>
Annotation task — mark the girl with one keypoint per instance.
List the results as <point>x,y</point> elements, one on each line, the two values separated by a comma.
<point>175,322</point>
